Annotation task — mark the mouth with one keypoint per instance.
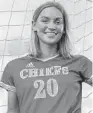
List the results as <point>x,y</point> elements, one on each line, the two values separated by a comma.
<point>51,33</point>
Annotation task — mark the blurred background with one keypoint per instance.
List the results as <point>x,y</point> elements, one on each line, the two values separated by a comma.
<point>15,33</point>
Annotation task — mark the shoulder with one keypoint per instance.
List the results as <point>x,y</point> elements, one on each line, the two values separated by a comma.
<point>82,59</point>
<point>17,61</point>
<point>79,57</point>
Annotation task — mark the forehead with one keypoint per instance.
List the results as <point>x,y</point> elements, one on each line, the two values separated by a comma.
<point>51,12</point>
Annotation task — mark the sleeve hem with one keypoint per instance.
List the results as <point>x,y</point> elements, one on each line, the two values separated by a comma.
<point>7,87</point>
<point>90,80</point>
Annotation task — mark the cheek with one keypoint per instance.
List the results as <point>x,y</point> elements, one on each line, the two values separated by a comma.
<point>60,29</point>
<point>41,28</point>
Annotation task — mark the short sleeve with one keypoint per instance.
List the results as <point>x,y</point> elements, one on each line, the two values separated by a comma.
<point>86,70</point>
<point>7,79</point>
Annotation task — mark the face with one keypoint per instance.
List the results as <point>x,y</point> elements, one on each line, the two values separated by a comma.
<point>49,25</point>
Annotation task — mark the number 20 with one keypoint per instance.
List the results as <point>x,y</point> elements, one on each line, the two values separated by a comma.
<point>41,92</point>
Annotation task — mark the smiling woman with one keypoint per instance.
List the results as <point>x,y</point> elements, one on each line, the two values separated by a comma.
<point>50,25</point>
<point>49,79</point>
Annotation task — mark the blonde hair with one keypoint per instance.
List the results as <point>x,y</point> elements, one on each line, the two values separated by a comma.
<point>64,43</point>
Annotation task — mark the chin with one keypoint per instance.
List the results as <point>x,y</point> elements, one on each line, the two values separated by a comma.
<point>50,42</point>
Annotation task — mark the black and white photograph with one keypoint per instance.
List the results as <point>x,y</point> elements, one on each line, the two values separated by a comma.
<point>46,56</point>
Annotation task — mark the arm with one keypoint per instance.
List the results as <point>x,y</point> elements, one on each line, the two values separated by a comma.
<point>86,71</point>
<point>7,82</point>
<point>13,105</point>
<point>90,81</point>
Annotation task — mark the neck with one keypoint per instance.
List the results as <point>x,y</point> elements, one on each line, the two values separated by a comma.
<point>48,50</point>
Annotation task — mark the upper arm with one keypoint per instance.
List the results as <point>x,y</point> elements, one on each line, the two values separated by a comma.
<point>86,70</point>
<point>13,105</point>
<point>7,82</point>
<point>90,81</point>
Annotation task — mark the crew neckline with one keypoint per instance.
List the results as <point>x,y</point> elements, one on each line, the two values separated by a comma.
<point>46,59</point>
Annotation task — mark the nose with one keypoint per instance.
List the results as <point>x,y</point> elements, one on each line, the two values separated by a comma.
<point>51,26</point>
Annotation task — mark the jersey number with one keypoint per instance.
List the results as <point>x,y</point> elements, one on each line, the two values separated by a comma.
<point>51,88</point>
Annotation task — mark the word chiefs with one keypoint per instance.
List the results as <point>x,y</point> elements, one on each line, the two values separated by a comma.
<point>49,71</point>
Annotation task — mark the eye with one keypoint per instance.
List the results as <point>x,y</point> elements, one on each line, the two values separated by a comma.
<point>45,20</point>
<point>58,21</point>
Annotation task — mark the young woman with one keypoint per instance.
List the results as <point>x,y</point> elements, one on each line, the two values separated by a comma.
<point>49,79</point>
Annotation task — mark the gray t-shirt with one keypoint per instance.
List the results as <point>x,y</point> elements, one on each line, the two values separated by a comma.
<point>50,86</point>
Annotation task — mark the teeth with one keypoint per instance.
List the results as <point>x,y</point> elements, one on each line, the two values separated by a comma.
<point>51,33</point>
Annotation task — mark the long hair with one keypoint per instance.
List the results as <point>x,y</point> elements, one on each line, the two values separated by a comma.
<point>63,45</point>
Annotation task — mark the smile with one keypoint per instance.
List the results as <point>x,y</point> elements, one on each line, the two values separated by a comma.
<point>51,33</point>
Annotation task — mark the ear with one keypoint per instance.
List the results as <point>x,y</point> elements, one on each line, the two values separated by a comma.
<point>34,26</point>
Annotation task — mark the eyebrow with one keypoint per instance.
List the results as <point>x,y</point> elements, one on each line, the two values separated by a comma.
<point>44,17</point>
<point>59,18</point>
<point>55,18</point>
